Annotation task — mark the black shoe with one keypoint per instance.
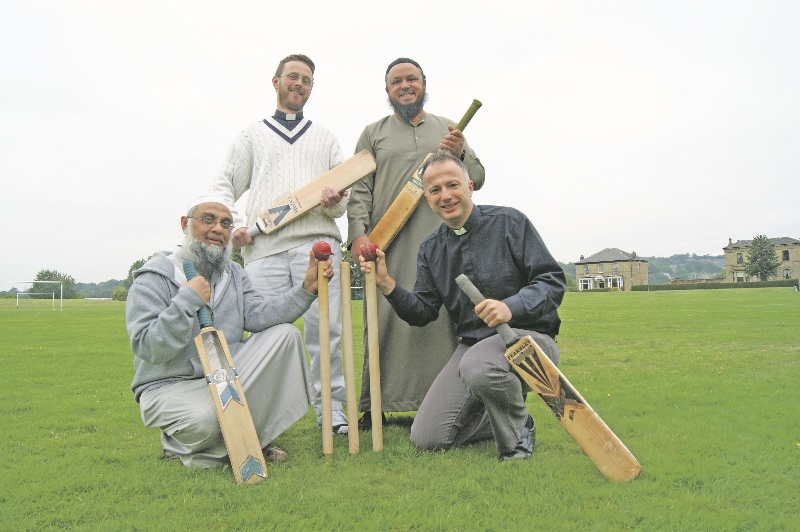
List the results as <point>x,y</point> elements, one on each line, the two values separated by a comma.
<point>524,448</point>
<point>365,423</point>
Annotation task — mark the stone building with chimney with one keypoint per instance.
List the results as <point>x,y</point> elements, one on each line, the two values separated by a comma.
<point>736,258</point>
<point>611,268</point>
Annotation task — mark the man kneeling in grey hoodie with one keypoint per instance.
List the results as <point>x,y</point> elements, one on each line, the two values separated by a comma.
<point>161,316</point>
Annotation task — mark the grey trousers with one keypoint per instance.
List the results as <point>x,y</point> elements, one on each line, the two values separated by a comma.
<point>274,377</point>
<point>275,275</point>
<point>476,396</point>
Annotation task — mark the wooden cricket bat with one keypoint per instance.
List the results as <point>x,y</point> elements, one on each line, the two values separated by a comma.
<point>305,198</point>
<point>404,204</point>
<point>233,414</point>
<point>592,435</point>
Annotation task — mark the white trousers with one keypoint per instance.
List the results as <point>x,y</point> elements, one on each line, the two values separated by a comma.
<point>274,377</point>
<point>275,275</point>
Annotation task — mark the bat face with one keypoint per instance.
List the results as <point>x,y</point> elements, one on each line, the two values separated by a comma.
<point>221,376</point>
<point>544,379</point>
<point>305,198</point>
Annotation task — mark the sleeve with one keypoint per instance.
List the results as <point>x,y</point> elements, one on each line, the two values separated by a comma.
<point>233,178</point>
<point>546,281</point>
<point>359,208</point>
<point>160,327</point>
<point>420,307</point>
<point>336,158</point>
<point>261,313</point>
<point>474,166</point>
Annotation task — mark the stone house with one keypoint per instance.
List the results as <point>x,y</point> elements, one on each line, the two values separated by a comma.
<point>611,268</point>
<point>736,257</point>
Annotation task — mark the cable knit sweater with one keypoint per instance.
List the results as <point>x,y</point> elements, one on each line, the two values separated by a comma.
<point>270,161</point>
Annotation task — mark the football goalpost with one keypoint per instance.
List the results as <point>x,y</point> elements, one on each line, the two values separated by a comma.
<point>60,291</point>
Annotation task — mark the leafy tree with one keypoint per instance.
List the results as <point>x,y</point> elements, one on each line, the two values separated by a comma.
<point>571,284</point>
<point>762,259</point>
<point>135,266</point>
<point>101,290</point>
<point>356,277</point>
<point>67,284</point>
<point>236,257</point>
<point>119,294</point>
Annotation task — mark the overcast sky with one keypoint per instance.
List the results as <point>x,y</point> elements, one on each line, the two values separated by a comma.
<point>655,127</point>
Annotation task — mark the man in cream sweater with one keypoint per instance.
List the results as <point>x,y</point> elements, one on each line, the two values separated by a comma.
<point>271,158</point>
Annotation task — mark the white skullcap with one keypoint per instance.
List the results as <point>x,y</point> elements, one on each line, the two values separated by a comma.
<point>206,198</point>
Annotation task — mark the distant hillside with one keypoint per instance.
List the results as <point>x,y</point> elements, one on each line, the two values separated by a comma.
<point>103,289</point>
<point>662,269</point>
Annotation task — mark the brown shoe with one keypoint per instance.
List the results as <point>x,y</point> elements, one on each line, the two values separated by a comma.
<point>274,454</point>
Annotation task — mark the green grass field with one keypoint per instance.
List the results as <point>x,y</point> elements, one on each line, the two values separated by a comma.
<point>702,386</point>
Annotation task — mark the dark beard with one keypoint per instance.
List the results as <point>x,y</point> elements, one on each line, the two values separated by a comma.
<point>409,111</point>
<point>209,261</point>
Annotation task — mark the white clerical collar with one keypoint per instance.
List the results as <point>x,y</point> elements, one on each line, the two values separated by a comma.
<point>460,232</point>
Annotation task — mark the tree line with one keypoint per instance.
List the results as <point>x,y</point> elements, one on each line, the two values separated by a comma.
<point>762,262</point>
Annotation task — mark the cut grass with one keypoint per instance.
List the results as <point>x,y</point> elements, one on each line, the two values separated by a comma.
<point>702,386</point>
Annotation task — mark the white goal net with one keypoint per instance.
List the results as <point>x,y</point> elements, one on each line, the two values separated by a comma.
<point>21,291</point>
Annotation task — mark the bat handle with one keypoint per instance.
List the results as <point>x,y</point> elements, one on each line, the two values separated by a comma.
<point>474,295</point>
<point>202,314</point>
<point>473,108</point>
<point>253,231</point>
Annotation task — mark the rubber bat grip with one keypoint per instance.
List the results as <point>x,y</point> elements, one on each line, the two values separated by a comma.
<point>474,295</point>
<point>202,314</point>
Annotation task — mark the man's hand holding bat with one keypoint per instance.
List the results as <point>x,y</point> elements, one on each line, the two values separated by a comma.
<point>454,143</point>
<point>329,198</point>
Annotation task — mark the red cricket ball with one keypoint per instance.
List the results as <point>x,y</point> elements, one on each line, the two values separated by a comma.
<point>368,251</point>
<point>322,250</point>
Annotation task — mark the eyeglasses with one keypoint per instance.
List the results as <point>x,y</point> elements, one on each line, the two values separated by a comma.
<point>211,220</point>
<point>305,80</point>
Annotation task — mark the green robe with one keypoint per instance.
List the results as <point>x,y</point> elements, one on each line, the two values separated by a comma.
<point>410,357</point>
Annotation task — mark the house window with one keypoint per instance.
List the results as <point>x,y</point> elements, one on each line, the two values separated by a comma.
<point>585,270</point>
<point>739,258</point>
<point>787,274</point>
<point>599,268</point>
<point>785,254</point>
<point>586,284</point>
<point>739,277</point>
<point>615,268</point>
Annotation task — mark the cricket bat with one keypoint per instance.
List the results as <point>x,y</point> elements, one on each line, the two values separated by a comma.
<point>233,414</point>
<point>592,435</point>
<point>404,204</point>
<point>305,198</point>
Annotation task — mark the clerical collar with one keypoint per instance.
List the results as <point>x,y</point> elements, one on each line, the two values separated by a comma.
<point>289,121</point>
<point>280,115</point>
<point>469,222</point>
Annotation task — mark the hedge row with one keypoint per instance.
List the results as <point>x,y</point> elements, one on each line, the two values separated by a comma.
<point>715,286</point>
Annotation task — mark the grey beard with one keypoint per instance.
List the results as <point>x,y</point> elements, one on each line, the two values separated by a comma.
<point>209,261</point>
<point>408,111</point>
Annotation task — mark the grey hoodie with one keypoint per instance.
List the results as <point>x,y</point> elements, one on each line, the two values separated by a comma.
<point>161,318</point>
